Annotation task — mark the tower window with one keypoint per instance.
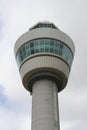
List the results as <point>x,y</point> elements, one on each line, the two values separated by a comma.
<point>44,25</point>
<point>45,46</point>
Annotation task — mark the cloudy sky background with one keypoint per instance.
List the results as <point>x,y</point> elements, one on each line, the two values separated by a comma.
<point>16,17</point>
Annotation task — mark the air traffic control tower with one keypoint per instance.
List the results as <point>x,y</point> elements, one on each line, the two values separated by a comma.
<point>44,56</point>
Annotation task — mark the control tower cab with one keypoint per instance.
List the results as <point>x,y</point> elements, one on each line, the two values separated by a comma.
<point>44,52</point>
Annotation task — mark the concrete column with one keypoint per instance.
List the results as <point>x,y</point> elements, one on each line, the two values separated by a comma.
<point>45,106</point>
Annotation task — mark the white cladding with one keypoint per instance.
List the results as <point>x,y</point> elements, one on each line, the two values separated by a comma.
<point>44,33</point>
<point>45,106</point>
<point>43,63</point>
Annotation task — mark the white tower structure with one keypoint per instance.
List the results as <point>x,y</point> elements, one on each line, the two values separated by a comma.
<point>44,55</point>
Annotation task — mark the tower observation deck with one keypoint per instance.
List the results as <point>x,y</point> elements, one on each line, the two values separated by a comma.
<point>44,56</point>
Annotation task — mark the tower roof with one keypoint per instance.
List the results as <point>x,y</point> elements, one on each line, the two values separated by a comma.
<point>45,24</point>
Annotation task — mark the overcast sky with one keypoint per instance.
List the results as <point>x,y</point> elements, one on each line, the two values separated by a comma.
<point>16,17</point>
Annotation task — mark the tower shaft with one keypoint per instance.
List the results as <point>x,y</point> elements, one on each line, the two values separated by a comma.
<point>45,114</point>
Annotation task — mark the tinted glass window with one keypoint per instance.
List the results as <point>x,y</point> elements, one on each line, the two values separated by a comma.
<point>44,45</point>
<point>41,25</point>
